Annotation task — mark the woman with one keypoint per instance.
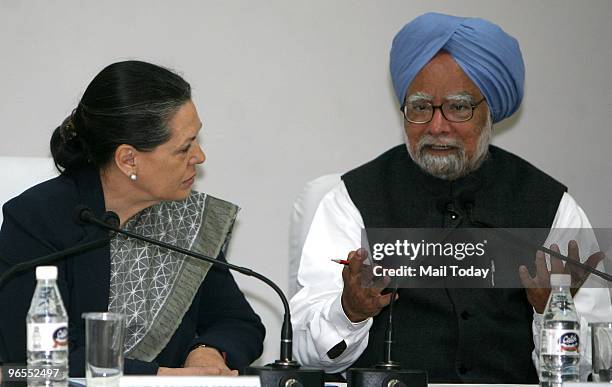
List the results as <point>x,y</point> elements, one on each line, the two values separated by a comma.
<point>131,147</point>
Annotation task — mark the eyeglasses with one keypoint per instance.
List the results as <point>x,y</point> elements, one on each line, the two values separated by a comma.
<point>421,112</point>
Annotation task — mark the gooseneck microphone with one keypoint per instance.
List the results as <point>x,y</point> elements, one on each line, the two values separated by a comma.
<point>50,258</point>
<point>388,362</point>
<point>468,206</point>
<point>111,222</point>
<point>462,208</point>
<point>387,372</point>
<point>283,372</point>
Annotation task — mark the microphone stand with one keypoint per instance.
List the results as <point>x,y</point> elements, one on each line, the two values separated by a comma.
<point>284,371</point>
<point>388,372</point>
<point>388,363</point>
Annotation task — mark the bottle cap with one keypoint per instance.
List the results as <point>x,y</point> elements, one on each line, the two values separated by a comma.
<point>46,272</point>
<point>560,280</point>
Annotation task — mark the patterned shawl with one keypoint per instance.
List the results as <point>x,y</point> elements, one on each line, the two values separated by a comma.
<point>155,287</point>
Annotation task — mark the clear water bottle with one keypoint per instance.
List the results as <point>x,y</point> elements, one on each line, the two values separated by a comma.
<point>560,336</point>
<point>47,332</point>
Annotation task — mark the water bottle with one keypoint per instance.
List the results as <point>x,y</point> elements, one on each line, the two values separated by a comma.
<point>47,332</point>
<point>560,335</point>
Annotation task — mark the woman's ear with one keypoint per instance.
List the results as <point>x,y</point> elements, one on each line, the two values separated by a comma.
<point>126,160</point>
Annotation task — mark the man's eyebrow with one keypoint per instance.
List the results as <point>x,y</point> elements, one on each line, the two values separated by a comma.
<point>463,96</point>
<point>419,95</point>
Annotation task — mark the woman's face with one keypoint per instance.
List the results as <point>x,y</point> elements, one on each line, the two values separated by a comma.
<point>168,172</point>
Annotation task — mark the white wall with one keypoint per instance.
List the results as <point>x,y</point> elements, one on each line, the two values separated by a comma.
<point>290,90</point>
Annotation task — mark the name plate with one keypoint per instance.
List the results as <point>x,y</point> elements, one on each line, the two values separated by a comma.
<point>182,381</point>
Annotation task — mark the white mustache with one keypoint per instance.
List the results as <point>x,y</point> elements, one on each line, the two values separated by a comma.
<point>429,140</point>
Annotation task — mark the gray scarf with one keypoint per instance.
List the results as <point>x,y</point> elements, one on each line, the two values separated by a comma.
<point>155,287</point>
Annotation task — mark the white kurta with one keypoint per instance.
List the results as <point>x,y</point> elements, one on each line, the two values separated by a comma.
<point>319,322</point>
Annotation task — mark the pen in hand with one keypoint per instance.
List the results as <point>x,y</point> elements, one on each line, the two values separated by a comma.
<point>340,261</point>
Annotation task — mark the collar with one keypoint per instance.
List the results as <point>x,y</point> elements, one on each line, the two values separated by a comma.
<point>90,194</point>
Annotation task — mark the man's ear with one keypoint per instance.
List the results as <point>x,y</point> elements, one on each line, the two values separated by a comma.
<point>126,157</point>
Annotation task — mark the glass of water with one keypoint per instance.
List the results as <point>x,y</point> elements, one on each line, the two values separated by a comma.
<point>104,336</point>
<point>601,334</point>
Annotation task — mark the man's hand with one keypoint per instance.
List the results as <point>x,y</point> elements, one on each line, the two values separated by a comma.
<point>200,362</point>
<point>538,287</point>
<point>360,303</point>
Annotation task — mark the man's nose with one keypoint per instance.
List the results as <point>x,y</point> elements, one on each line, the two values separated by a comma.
<point>439,124</point>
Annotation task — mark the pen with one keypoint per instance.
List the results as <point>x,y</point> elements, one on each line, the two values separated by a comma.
<point>341,261</point>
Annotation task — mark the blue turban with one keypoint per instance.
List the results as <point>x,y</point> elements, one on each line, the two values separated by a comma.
<point>490,57</point>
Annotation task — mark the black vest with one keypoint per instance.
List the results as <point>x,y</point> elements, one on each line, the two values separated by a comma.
<point>457,335</point>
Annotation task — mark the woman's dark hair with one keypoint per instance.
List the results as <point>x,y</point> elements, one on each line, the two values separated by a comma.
<point>128,102</point>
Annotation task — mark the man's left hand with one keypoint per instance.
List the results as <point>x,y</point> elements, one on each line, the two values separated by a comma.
<point>538,287</point>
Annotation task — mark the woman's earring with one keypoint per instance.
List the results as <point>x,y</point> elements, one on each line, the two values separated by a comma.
<point>133,177</point>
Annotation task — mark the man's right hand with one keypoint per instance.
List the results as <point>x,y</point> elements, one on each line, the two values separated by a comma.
<point>360,303</point>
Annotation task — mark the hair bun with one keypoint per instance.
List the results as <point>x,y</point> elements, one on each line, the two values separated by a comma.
<point>67,129</point>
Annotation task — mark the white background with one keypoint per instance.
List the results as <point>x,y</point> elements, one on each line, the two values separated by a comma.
<point>291,90</point>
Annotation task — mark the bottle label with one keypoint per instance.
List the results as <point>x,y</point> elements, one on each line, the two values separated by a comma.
<point>47,337</point>
<point>560,342</point>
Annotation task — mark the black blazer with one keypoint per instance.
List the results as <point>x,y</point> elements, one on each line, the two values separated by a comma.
<point>40,221</point>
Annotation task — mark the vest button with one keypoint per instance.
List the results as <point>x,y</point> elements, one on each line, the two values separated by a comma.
<point>465,315</point>
<point>463,370</point>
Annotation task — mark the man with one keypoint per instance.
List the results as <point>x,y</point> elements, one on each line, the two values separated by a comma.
<point>454,77</point>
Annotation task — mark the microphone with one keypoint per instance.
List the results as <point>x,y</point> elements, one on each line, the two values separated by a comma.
<point>388,363</point>
<point>50,258</point>
<point>283,372</point>
<point>388,372</point>
<point>463,207</point>
<point>468,203</point>
<point>452,208</point>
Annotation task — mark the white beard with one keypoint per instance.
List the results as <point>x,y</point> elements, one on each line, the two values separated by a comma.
<point>454,165</point>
